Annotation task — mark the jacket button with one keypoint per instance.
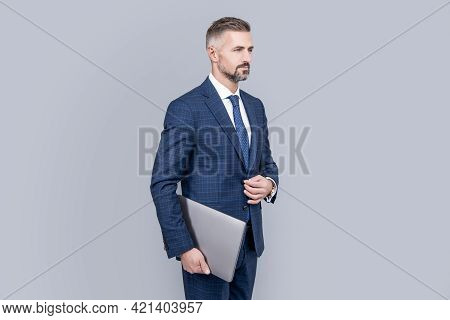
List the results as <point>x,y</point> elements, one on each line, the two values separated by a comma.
<point>244,207</point>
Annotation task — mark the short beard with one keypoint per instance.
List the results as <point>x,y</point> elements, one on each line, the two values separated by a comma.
<point>235,77</point>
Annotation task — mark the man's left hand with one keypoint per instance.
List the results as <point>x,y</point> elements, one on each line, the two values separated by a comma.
<point>257,188</point>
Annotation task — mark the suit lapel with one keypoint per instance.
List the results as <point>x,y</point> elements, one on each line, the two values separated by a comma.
<point>219,111</point>
<point>217,108</point>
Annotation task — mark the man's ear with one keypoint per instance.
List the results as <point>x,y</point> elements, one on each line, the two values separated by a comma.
<point>212,53</point>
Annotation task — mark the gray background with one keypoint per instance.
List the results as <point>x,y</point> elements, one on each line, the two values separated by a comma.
<point>78,78</point>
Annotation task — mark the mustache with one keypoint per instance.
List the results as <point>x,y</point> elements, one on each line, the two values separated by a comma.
<point>243,65</point>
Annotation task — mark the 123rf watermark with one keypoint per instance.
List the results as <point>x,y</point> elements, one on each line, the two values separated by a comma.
<point>215,147</point>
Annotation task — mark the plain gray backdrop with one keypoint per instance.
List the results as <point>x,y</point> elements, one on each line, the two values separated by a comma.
<point>79,78</point>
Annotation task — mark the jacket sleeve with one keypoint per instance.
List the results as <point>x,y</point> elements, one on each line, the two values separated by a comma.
<point>171,166</point>
<point>268,166</point>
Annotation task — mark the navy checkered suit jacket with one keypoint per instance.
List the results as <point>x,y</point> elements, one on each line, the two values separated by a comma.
<point>199,147</point>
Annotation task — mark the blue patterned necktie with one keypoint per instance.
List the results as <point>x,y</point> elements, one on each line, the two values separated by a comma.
<point>240,128</point>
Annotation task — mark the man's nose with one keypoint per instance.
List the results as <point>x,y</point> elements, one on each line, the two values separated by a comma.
<point>247,57</point>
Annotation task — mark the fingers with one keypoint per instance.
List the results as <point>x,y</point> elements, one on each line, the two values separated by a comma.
<point>254,201</point>
<point>253,190</point>
<point>253,183</point>
<point>256,181</point>
<point>204,267</point>
<point>193,269</point>
<point>197,269</point>
<point>256,188</point>
<point>254,196</point>
<point>196,265</point>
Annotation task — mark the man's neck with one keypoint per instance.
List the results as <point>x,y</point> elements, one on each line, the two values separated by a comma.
<point>232,86</point>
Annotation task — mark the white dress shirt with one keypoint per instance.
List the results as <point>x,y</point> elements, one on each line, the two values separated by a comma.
<point>224,93</point>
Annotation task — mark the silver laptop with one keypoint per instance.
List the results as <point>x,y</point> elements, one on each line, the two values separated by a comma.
<point>217,235</point>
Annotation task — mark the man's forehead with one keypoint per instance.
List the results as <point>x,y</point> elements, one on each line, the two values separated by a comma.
<point>237,38</point>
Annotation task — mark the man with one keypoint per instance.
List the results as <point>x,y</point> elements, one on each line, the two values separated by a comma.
<point>215,141</point>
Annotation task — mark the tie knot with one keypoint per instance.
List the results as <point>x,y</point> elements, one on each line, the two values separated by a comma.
<point>234,100</point>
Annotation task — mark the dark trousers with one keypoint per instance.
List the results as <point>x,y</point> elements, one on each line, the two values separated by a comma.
<point>200,286</point>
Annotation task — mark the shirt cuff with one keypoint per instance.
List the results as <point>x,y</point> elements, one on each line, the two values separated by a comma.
<point>274,190</point>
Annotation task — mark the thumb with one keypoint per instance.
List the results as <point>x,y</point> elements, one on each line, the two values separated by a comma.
<point>256,178</point>
<point>204,266</point>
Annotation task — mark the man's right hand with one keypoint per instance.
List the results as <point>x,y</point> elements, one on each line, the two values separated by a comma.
<point>193,261</point>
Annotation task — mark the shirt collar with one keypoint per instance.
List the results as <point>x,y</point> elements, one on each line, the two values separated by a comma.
<point>223,91</point>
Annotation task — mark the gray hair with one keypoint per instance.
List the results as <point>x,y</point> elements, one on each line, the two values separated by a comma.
<point>218,27</point>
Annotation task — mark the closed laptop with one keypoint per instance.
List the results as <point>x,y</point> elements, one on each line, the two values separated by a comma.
<point>217,235</point>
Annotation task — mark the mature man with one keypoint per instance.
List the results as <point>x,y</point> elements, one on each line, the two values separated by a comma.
<point>215,141</point>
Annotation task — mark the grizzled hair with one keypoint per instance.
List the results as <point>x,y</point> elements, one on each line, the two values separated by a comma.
<point>218,27</point>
